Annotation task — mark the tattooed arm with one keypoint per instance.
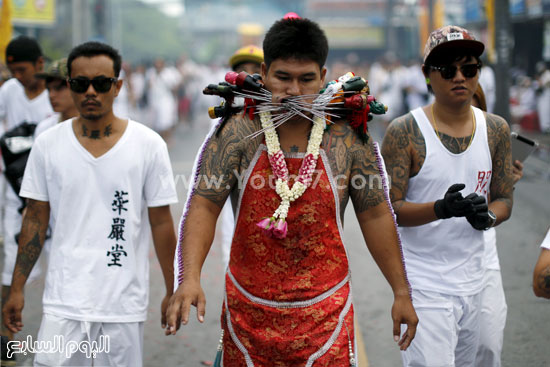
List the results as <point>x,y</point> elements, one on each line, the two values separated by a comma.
<point>404,152</point>
<point>502,181</point>
<point>541,275</point>
<point>380,234</point>
<point>223,158</point>
<point>31,240</point>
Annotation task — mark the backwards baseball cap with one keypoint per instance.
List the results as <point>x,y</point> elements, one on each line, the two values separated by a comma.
<point>451,36</point>
<point>23,48</point>
<point>57,70</point>
<point>248,53</point>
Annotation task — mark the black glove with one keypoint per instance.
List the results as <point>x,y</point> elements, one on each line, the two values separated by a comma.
<point>480,219</point>
<point>453,204</point>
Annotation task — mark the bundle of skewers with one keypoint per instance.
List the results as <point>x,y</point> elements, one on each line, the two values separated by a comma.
<point>347,98</point>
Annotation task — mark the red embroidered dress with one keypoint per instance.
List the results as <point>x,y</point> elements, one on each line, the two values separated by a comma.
<point>288,301</point>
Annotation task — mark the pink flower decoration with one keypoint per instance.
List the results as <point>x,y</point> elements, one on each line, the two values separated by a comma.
<point>231,77</point>
<point>267,225</point>
<point>280,229</point>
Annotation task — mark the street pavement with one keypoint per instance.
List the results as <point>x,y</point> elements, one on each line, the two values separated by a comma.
<point>527,334</point>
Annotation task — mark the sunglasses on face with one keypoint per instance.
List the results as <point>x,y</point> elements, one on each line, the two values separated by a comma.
<point>101,84</point>
<point>449,71</point>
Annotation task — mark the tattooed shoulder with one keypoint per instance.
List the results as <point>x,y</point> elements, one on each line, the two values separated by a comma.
<point>498,131</point>
<point>338,141</point>
<point>404,144</point>
<point>397,134</point>
<point>227,154</point>
<point>502,182</point>
<point>353,158</point>
<point>404,152</point>
<point>366,183</point>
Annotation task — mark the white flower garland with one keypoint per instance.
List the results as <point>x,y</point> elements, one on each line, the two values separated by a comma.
<point>280,168</point>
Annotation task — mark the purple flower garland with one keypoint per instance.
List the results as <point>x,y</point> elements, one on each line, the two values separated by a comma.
<point>196,171</point>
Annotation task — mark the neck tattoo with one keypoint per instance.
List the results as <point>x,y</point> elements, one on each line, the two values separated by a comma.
<point>473,128</point>
<point>96,134</point>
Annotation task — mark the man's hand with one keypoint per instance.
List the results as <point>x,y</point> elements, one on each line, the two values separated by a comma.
<point>453,204</point>
<point>480,219</point>
<point>12,311</point>
<point>517,171</point>
<point>188,293</point>
<point>403,313</point>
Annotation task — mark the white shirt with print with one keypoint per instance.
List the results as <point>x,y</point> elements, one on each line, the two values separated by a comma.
<point>98,269</point>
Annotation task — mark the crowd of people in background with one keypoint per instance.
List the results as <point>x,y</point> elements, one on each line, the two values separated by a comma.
<point>163,93</point>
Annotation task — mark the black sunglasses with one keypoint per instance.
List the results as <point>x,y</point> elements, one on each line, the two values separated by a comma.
<point>449,71</point>
<point>101,84</point>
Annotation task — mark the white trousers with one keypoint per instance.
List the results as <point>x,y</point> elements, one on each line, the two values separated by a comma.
<point>447,334</point>
<point>492,320</point>
<point>118,344</point>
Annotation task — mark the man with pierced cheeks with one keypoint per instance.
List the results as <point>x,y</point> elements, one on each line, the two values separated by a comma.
<point>287,293</point>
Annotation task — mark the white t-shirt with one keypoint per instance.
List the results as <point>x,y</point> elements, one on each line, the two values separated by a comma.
<point>447,255</point>
<point>16,107</point>
<point>47,123</point>
<point>98,268</point>
<point>546,242</point>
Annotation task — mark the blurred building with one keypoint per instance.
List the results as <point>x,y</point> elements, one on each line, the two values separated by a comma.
<point>530,29</point>
<point>216,28</point>
<point>367,28</point>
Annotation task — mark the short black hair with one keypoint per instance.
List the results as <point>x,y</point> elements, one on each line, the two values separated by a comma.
<point>23,49</point>
<point>297,38</point>
<point>91,49</point>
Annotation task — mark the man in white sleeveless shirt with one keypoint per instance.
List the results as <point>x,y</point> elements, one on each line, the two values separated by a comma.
<point>444,160</point>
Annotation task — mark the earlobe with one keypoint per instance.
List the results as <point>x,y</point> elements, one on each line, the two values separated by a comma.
<point>118,84</point>
<point>323,75</point>
<point>263,70</point>
<point>40,63</point>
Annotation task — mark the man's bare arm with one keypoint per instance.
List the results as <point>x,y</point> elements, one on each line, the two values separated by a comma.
<point>502,180</point>
<point>541,275</point>
<point>220,163</point>
<point>164,240</point>
<point>377,225</point>
<point>402,142</point>
<point>31,240</point>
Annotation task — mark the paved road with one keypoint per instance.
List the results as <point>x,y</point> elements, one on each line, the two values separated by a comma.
<point>527,334</point>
